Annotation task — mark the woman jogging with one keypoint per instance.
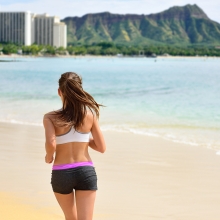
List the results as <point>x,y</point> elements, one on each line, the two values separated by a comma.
<point>67,133</point>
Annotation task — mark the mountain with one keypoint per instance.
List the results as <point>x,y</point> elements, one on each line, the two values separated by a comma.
<point>178,25</point>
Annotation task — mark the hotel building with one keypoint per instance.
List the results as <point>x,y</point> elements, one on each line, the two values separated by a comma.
<point>26,28</point>
<point>59,34</point>
<point>15,27</point>
<point>48,30</point>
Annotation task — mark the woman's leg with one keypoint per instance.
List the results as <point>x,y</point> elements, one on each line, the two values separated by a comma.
<point>85,200</point>
<point>68,205</point>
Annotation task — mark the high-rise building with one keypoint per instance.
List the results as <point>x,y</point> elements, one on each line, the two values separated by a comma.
<point>48,30</point>
<point>59,34</point>
<point>15,27</point>
<point>43,29</point>
<point>26,28</point>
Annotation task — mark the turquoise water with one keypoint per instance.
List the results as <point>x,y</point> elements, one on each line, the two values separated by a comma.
<point>175,98</point>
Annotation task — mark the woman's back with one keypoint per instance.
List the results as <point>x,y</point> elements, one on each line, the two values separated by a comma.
<point>72,144</point>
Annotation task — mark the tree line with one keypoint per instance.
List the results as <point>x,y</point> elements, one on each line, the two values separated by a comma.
<point>106,49</point>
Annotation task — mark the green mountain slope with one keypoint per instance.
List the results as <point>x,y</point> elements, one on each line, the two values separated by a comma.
<point>178,25</point>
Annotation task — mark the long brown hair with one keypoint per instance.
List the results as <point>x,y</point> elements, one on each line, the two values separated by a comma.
<point>76,101</point>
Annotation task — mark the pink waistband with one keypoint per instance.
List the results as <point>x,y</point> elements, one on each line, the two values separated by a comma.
<point>72,165</point>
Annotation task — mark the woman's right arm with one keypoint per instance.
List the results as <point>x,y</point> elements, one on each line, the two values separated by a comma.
<point>97,141</point>
<point>50,143</point>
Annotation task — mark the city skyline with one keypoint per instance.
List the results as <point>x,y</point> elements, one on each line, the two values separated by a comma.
<point>27,28</point>
<point>65,8</point>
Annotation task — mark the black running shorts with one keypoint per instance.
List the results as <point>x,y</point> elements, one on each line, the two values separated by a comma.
<point>79,178</point>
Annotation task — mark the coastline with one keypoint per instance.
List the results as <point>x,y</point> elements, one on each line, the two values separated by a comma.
<point>15,56</point>
<point>140,177</point>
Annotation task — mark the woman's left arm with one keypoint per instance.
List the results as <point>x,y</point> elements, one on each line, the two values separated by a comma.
<point>50,144</point>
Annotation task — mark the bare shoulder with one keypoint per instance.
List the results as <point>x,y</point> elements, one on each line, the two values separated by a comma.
<point>89,118</point>
<point>50,115</point>
<point>89,115</point>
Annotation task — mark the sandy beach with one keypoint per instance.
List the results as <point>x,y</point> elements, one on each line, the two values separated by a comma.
<point>139,177</point>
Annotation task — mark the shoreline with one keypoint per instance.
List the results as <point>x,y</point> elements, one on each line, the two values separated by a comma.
<point>180,181</point>
<point>174,137</point>
<point>15,56</point>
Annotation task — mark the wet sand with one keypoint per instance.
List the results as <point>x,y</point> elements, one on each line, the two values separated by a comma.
<point>139,177</point>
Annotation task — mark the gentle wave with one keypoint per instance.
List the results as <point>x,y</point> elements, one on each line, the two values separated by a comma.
<point>17,96</point>
<point>21,122</point>
<point>120,92</point>
<point>166,135</point>
<point>170,136</point>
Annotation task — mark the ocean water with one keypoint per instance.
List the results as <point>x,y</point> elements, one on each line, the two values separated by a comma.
<point>172,98</point>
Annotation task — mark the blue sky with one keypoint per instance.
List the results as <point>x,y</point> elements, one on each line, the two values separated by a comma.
<point>65,8</point>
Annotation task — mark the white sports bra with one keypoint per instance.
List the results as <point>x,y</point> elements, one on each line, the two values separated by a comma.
<point>72,136</point>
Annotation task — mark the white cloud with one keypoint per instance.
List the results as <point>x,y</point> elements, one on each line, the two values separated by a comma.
<point>65,8</point>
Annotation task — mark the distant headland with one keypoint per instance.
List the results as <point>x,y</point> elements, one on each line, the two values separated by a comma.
<point>187,25</point>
